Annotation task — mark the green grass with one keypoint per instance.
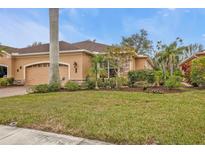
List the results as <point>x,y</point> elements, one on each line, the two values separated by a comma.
<point>116,117</point>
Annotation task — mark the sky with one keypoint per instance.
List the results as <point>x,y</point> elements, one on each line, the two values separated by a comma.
<point>22,27</point>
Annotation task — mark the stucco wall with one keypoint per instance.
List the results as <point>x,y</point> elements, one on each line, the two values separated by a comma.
<point>86,64</point>
<point>142,63</point>
<point>68,58</point>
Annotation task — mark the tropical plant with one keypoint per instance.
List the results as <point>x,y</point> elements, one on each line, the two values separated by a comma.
<point>169,56</point>
<point>139,41</point>
<point>54,76</point>
<point>96,69</point>
<point>117,56</point>
<point>198,71</point>
<point>173,82</point>
<point>158,76</point>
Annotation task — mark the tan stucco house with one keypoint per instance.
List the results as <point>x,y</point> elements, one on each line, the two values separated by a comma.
<point>185,65</point>
<point>30,65</point>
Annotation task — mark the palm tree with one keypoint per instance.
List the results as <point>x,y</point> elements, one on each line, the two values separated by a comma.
<point>173,53</point>
<point>161,60</point>
<point>54,76</point>
<point>169,56</point>
<point>96,60</point>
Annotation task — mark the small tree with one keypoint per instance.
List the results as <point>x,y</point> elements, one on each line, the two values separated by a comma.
<point>139,41</point>
<point>118,56</point>
<point>35,44</point>
<point>198,71</point>
<point>96,69</point>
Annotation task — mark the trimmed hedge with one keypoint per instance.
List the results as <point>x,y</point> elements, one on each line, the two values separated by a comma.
<point>54,87</point>
<point>41,88</point>
<point>141,75</point>
<point>72,86</point>
<point>45,88</point>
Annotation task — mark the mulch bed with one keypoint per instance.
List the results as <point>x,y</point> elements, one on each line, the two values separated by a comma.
<point>159,90</point>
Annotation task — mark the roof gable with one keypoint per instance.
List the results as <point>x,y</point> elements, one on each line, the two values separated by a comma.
<point>201,53</point>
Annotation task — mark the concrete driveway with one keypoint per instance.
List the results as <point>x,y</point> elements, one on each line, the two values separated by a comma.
<point>20,136</point>
<point>13,91</point>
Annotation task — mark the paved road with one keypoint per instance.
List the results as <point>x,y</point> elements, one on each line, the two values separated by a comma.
<point>20,136</point>
<point>12,91</point>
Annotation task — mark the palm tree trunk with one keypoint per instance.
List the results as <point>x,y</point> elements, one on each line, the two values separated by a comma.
<point>54,76</point>
<point>171,66</point>
<point>96,76</point>
<point>164,70</point>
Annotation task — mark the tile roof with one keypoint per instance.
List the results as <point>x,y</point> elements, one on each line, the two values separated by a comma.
<point>8,49</point>
<point>192,57</point>
<point>88,45</point>
<point>45,48</point>
<point>91,46</point>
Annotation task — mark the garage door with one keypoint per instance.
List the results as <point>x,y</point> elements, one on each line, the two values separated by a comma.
<point>39,74</point>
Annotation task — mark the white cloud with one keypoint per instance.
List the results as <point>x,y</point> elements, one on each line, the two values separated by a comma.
<point>20,32</point>
<point>203,36</point>
<point>171,9</point>
<point>158,27</point>
<point>73,34</point>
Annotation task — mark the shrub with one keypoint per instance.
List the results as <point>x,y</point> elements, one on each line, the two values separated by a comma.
<point>72,86</point>
<point>141,84</point>
<point>158,77</point>
<point>41,88</point>
<point>141,75</point>
<point>198,71</point>
<point>177,72</point>
<point>102,83</point>
<point>10,80</point>
<point>122,81</point>
<point>112,82</point>
<point>4,82</point>
<point>54,87</point>
<point>89,84</point>
<point>173,82</point>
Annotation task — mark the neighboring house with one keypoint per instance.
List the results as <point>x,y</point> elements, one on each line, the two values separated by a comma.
<point>185,65</point>
<point>30,65</point>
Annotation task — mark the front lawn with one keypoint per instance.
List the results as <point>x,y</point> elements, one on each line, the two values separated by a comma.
<point>113,116</point>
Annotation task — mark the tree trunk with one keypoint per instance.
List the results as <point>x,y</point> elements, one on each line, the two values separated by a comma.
<point>54,76</point>
<point>164,70</point>
<point>171,66</point>
<point>96,77</point>
<point>108,69</point>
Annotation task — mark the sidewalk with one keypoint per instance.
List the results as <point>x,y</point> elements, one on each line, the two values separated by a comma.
<point>20,136</point>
